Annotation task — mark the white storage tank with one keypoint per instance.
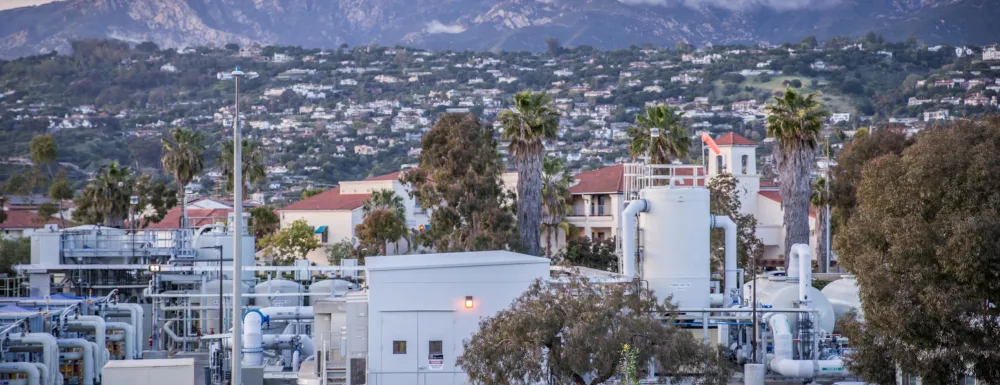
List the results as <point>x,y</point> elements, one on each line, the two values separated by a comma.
<point>212,299</point>
<point>781,293</point>
<point>277,286</point>
<point>335,287</point>
<point>674,234</point>
<point>843,295</point>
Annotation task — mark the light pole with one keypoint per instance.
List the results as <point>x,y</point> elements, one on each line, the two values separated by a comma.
<point>237,237</point>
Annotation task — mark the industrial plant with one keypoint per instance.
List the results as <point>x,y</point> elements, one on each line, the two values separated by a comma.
<point>107,306</point>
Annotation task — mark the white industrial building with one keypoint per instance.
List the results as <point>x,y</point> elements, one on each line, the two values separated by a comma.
<point>421,308</point>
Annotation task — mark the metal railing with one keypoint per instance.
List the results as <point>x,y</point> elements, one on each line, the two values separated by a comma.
<point>119,243</point>
<point>595,210</point>
<point>639,176</point>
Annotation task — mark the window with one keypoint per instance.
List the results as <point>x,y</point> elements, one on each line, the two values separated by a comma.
<point>398,347</point>
<point>719,165</point>
<point>746,162</point>
<point>435,350</point>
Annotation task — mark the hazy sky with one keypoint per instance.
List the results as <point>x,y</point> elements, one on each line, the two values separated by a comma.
<point>8,4</point>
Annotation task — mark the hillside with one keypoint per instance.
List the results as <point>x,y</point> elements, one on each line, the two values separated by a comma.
<point>486,24</point>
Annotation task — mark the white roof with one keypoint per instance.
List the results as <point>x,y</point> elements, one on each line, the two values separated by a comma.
<point>158,363</point>
<point>472,258</point>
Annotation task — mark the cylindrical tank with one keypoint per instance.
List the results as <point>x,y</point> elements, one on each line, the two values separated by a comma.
<point>843,295</point>
<point>335,287</point>
<point>778,292</point>
<point>212,291</point>
<point>275,286</point>
<point>675,243</point>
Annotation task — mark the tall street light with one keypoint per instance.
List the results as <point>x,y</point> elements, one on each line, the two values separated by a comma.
<point>237,237</point>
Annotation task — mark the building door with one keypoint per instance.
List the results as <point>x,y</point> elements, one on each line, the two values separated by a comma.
<point>437,350</point>
<point>399,349</point>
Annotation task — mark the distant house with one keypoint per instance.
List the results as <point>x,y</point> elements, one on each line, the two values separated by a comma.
<point>991,53</point>
<point>936,115</point>
<point>840,117</point>
<point>745,106</point>
<point>168,68</point>
<point>819,65</point>
<point>685,79</point>
<point>281,58</point>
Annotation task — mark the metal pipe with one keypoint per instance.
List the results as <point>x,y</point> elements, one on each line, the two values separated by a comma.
<point>42,379</point>
<point>135,313</point>
<point>99,328</point>
<point>782,361</point>
<point>726,224</point>
<point>169,330</point>
<point>23,368</point>
<point>88,356</point>
<point>129,332</point>
<point>801,259</point>
<point>50,351</point>
<point>276,313</point>
<point>253,339</point>
<point>630,248</point>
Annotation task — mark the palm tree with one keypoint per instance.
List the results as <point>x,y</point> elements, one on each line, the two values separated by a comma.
<point>183,156</point>
<point>253,164</point>
<point>795,122</point>
<point>555,199</point>
<point>385,199</point>
<point>673,140</point>
<point>110,191</point>
<point>381,228</point>
<point>526,125</point>
<point>819,200</point>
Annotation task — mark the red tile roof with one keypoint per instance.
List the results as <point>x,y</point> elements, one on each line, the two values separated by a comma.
<point>603,180</point>
<point>24,219</point>
<point>774,195</point>
<point>390,176</point>
<point>196,218</point>
<point>733,139</point>
<point>330,199</point>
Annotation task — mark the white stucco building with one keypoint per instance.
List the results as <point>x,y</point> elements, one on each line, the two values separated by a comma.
<point>738,156</point>
<point>335,213</point>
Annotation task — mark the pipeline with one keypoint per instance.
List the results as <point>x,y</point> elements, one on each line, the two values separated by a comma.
<point>88,356</point>
<point>50,352</point>
<point>129,337</point>
<point>782,362</point>
<point>629,246</point>
<point>135,313</point>
<point>253,339</point>
<point>22,368</point>
<point>727,224</point>
<point>99,328</point>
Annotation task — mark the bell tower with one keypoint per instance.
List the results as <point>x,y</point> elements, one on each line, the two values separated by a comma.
<point>738,156</point>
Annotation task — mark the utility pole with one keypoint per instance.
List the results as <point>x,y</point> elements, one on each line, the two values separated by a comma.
<point>237,229</point>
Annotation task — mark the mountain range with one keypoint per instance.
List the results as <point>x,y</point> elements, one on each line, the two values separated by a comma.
<point>489,24</point>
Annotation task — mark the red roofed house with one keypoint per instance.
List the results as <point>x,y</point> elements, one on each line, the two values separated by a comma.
<point>738,156</point>
<point>22,223</point>
<point>597,204</point>
<point>335,213</point>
